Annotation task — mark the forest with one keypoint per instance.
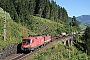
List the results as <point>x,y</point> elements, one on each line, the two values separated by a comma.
<point>20,10</point>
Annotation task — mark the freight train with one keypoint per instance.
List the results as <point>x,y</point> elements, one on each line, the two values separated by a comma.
<point>32,42</point>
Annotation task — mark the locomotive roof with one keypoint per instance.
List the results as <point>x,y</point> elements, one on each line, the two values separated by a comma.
<point>35,36</point>
<point>31,37</point>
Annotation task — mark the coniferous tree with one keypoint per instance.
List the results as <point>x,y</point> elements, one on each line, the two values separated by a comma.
<point>56,13</point>
<point>87,39</point>
<point>52,10</point>
<point>46,11</point>
<point>61,13</point>
<point>11,9</point>
<point>74,21</point>
<point>31,6</point>
<point>40,5</point>
<point>64,15</point>
<point>21,9</point>
<point>3,4</point>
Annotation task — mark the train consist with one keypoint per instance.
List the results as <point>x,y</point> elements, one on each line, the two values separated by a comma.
<point>32,42</point>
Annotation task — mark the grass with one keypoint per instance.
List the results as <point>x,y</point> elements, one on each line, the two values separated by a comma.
<point>60,52</point>
<point>45,26</point>
<point>14,32</point>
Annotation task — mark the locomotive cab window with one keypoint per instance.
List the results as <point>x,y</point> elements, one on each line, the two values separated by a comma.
<point>32,41</point>
<point>26,41</point>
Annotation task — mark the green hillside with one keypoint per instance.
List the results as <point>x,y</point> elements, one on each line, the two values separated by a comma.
<point>34,26</point>
<point>14,31</point>
<point>82,26</point>
<point>45,26</point>
<point>60,52</point>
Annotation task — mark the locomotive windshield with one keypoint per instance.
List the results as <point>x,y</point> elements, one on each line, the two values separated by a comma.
<point>26,41</point>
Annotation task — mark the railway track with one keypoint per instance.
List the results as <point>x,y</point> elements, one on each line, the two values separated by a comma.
<point>23,56</point>
<point>17,57</point>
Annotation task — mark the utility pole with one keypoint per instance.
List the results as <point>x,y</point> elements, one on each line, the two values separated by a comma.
<point>5,26</point>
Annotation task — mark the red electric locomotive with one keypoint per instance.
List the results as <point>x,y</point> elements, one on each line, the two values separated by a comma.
<point>32,42</point>
<point>47,39</point>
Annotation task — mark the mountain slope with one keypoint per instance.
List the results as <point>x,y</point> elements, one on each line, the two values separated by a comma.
<point>14,31</point>
<point>82,26</point>
<point>59,51</point>
<point>34,26</point>
<point>84,19</point>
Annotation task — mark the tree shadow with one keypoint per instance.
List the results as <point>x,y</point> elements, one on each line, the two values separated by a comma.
<point>80,46</point>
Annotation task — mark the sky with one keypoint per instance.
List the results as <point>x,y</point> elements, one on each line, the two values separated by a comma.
<point>75,7</point>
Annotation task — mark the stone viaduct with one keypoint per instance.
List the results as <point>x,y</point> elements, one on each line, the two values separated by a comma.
<point>68,40</point>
